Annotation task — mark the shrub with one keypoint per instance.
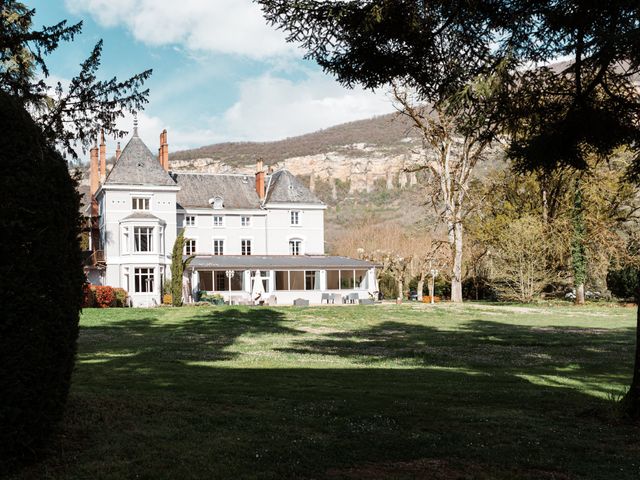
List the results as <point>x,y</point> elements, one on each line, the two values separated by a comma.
<point>41,284</point>
<point>121,297</point>
<point>88,296</point>
<point>623,283</point>
<point>105,296</point>
<point>214,298</point>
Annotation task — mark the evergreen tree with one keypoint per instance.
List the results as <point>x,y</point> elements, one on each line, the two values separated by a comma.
<point>41,274</point>
<point>69,117</point>
<point>177,269</point>
<point>41,280</point>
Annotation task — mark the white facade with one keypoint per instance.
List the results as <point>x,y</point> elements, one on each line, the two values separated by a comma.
<point>139,267</point>
<point>269,229</point>
<point>234,230</point>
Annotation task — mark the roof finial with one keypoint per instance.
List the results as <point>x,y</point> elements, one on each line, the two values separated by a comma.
<point>135,124</point>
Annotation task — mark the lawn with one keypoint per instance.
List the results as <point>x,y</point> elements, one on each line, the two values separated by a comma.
<point>411,391</point>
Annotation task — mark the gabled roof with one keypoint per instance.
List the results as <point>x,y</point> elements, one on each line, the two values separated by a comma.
<point>196,189</point>
<point>284,187</point>
<point>138,166</point>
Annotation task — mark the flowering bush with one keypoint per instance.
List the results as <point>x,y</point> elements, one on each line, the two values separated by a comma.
<point>105,296</point>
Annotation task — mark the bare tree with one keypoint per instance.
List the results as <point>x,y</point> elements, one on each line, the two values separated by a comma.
<point>521,268</point>
<point>430,252</point>
<point>456,134</point>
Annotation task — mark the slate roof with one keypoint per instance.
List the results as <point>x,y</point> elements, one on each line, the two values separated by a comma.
<point>270,262</point>
<point>286,188</point>
<point>237,191</point>
<point>138,166</point>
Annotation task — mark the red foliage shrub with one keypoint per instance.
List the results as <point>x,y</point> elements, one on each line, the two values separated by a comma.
<point>88,296</point>
<point>105,296</point>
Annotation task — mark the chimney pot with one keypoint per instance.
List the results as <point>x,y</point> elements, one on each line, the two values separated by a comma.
<point>260,186</point>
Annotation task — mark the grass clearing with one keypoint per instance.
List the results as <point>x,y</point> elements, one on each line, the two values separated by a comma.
<point>410,391</point>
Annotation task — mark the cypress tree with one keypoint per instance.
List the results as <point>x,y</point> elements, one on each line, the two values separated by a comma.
<point>41,280</point>
<point>177,269</point>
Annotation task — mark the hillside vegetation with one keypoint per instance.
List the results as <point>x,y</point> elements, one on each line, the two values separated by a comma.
<point>382,131</point>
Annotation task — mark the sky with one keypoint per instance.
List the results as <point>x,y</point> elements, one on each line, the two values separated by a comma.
<point>220,73</point>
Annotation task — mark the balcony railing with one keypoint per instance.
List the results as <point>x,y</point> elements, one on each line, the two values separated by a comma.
<point>94,258</point>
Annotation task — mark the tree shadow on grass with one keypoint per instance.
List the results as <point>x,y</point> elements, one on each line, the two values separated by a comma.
<point>165,400</point>
<point>204,335</point>
<point>583,356</point>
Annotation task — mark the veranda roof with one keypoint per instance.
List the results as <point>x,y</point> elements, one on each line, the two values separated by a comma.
<point>277,262</point>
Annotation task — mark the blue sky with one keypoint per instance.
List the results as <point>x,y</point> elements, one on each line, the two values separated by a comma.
<point>220,73</point>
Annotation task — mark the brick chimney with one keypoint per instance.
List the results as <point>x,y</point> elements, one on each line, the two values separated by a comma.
<point>94,179</point>
<point>260,179</point>
<point>163,151</point>
<point>103,157</point>
<point>118,152</point>
<point>166,150</point>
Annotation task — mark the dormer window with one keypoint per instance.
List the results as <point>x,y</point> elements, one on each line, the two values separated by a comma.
<point>140,203</point>
<point>217,202</point>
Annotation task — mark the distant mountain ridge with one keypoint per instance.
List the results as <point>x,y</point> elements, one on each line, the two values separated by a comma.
<point>384,130</point>
<point>358,156</point>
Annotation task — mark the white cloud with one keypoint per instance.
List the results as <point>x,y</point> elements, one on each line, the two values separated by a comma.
<point>269,108</point>
<point>272,108</point>
<point>218,26</point>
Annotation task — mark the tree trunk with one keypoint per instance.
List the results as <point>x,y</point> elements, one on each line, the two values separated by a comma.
<point>432,287</point>
<point>456,275</point>
<point>632,399</point>
<point>400,288</point>
<point>420,286</point>
<point>580,294</point>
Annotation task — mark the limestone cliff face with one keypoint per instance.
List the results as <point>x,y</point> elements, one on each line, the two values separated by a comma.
<point>360,166</point>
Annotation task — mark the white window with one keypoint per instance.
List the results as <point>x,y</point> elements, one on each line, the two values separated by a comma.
<point>295,246</point>
<point>295,217</point>
<point>246,247</point>
<point>189,220</point>
<point>190,247</point>
<point>140,203</point>
<point>143,239</point>
<point>245,221</point>
<point>143,280</point>
<point>218,247</point>
<point>217,220</point>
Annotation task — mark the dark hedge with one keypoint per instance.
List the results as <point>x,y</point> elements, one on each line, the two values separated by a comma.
<point>623,283</point>
<point>41,282</point>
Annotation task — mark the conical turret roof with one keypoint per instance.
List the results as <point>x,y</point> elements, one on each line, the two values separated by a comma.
<point>138,166</point>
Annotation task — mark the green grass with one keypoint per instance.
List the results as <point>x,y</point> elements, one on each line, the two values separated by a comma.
<point>411,391</point>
